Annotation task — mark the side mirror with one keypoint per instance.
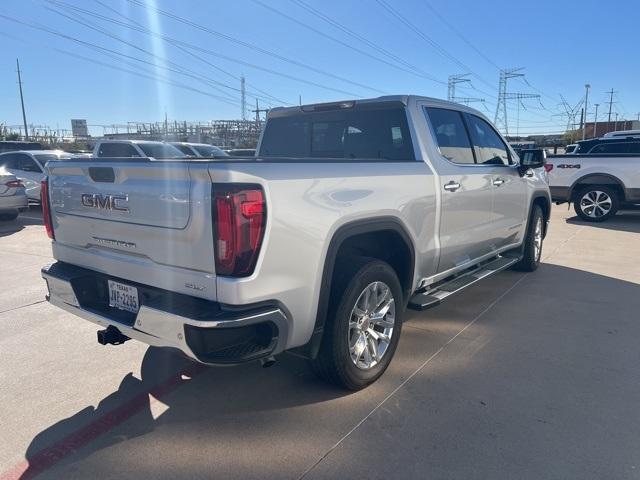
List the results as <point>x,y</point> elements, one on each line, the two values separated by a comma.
<point>532,158</point>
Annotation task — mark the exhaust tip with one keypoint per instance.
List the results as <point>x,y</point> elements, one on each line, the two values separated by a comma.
<point>267,362</point>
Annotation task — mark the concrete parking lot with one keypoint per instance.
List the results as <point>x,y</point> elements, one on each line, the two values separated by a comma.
<point>522,376</point>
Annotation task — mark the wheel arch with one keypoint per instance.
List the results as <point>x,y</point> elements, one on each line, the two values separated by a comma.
<point>544,201</point>
<point>597,179</point>
<point>387,225</point>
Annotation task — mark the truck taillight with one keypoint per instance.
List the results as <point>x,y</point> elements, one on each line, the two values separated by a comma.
<point>239,221</point>
<point>548,167</point>
<point>46,209</point>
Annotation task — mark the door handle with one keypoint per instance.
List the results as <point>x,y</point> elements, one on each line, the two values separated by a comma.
<point>498,181</point>
<point>451,186</point>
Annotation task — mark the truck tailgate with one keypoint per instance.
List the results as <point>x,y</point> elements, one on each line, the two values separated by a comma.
<point>146,221</point>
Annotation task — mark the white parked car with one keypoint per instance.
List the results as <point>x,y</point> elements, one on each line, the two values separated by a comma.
<point>28,166</point>
<point>135,148</point>
<point>13,198</point>
<point>200,150</point>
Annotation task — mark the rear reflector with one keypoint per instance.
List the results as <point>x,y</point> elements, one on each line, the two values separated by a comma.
<point>46,210</point>
<point>14,184</point>
<point>239,221</point>
<point>548,167</point>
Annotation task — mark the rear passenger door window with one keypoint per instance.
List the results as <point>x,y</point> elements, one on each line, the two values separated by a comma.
<point>611,148</point>
<point>489,147</point>
<point>451,135</point>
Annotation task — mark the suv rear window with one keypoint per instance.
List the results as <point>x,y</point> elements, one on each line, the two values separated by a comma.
<point>356,133</point>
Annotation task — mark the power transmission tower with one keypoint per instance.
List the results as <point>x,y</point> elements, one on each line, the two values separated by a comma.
<point>518,97</point>
<point>258,111</point>
<point>24,115</point>
<point>453,81</point>
<point>451,89</point>
<point>500,119</point>
<point>243,98</point>
<point>571,113</point>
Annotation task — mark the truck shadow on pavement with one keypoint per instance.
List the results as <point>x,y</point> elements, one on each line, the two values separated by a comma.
<point>624,221</point>
<point>215,422</point>
<point>223,392</point>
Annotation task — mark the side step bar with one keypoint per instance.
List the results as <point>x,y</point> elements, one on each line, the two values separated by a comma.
<point>432,297</point>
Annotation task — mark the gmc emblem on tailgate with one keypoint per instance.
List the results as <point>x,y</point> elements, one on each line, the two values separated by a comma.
<point>105,202</point>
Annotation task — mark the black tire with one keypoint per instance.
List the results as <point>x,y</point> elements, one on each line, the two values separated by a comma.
<point>530,254</point>
<point>8,217</point>
<point>584,199</point>
<point>334,361</point>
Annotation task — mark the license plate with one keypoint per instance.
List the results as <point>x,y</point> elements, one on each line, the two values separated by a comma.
<point>123,297</point>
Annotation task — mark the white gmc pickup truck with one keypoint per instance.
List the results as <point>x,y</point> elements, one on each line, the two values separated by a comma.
<point>349,213</point>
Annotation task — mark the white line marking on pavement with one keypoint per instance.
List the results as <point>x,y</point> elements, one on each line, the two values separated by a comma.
<point>22,306</point>
<point>426,362</point>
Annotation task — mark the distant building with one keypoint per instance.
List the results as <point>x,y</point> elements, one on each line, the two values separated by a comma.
<point>606,127</point>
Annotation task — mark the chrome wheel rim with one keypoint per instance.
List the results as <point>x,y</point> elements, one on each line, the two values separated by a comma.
<point>595,204</point>
<point>537,239</point>
<point>371,325</point>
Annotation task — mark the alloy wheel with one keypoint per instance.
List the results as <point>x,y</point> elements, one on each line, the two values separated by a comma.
<point>595,204</point>
<point>371,325</point>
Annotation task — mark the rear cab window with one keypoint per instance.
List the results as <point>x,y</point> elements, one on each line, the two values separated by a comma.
<point>117,150</point>
<point>365,132</point>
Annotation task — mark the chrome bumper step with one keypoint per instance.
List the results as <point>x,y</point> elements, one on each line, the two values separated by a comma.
<point>436,294</point>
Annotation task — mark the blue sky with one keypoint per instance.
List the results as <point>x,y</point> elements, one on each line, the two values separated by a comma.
<point>561,44</point>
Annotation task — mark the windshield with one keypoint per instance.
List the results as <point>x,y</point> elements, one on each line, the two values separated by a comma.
<point>210,151</point>
<point>160,150</point>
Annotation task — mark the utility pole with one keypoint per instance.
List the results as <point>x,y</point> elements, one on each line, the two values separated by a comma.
<point>24,115</point>
<point>586,106</point>
<point>243,99</point>
<point>610,102</point>
<point>595,121</point>
<point>638,114</point>
<point>615,125</point>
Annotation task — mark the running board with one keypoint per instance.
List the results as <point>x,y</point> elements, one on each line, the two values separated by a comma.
<point>431,298</point>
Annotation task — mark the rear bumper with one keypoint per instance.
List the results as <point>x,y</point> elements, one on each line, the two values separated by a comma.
<point>206,331</point>
<point>13,203</point>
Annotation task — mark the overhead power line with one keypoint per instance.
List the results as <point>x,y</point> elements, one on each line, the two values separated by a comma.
<point>411,69</point>
<point>251,46</point>
<point>457,32</point>
<point>266,95</point>
<point>435,45</point>
<point>212,53</point>
<point>79,18</point>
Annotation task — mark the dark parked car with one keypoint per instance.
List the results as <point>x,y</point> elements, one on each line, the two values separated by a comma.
<point>608,146</point>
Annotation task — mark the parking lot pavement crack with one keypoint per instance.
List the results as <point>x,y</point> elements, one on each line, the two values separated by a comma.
<point>413,374</point>
<point>22,306</point>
